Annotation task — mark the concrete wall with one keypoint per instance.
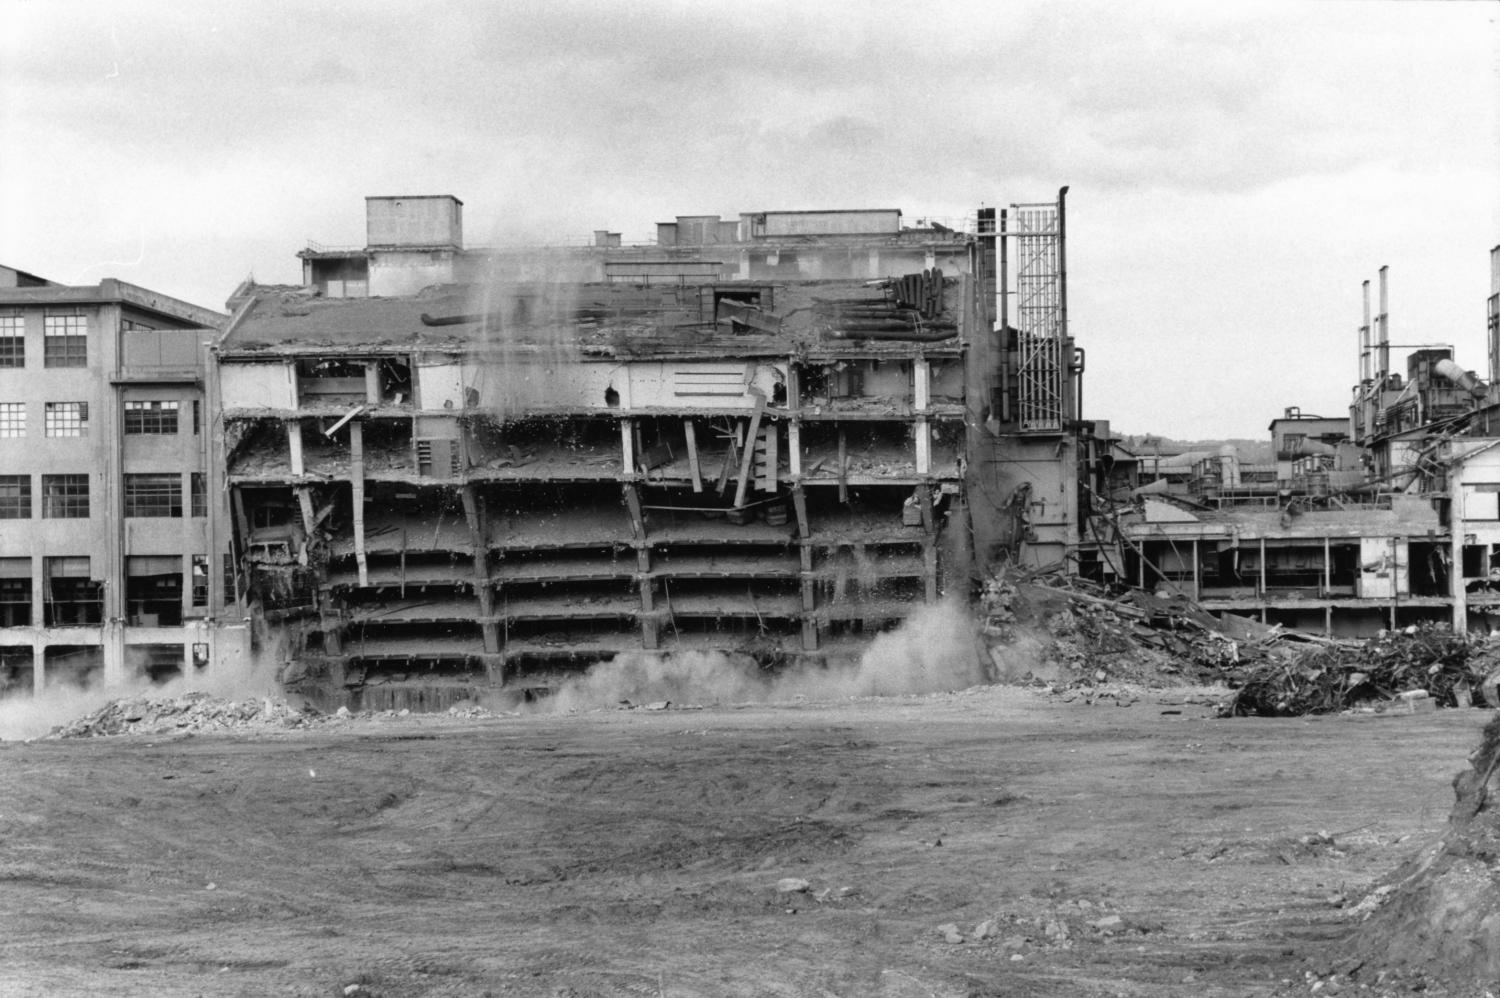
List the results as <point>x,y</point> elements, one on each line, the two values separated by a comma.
<point>257,386</point>
<point>414,221</point>
<point>395,273</point>
<point>819,223</point>
<point>551,384</point>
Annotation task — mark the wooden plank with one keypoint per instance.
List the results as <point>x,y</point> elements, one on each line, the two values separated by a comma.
<point>748,457</point>
<point>691,433</point>
<point>633,502</point>
<point>768,478</point>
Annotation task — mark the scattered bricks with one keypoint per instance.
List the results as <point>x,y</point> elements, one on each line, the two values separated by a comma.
<point>950,933</point>
<point>792,885</point>
<point>986,929</point>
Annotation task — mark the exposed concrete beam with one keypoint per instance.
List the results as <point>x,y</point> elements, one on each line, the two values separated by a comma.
<point>357,496</point>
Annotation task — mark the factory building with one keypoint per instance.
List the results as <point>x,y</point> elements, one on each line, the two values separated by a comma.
<point>104,486</point>
<point>773,435</point>
<point>1384,518</point>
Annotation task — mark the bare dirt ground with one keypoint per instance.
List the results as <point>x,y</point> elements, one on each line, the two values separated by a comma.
<point>1144,850</point>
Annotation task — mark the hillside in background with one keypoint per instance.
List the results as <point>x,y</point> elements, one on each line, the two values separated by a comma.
<point>1249,451</point>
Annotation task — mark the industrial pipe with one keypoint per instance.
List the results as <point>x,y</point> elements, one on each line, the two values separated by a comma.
<point>922,335</point>
<point>1456,374</point>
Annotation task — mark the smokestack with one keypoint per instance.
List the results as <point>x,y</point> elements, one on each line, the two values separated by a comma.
<point>1383,321</point>
<point>1494,316</point>
<point>1364,341</point>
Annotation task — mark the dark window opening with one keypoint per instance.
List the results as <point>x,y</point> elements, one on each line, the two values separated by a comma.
<point>72,597</point>
<point>15,592</point>
<point>153,590</point>
<point>153,495</point>
<point>17,672</point>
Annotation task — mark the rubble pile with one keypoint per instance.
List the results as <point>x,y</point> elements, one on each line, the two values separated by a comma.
<point>1340,675</point>
<point>1084,634</point>
<point>189,712</point>
<point>1079,634</point>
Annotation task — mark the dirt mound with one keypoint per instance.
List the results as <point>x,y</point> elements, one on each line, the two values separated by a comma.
<point>1438,918</point>
<point>190,712</point>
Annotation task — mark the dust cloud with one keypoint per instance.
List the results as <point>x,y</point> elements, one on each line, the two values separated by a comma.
<point>936,649</point>
<point>25,716</point>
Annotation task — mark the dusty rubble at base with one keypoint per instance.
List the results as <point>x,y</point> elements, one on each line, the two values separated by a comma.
<point>191,713</point>
<point>188,712</point>
<point>1086,642</point>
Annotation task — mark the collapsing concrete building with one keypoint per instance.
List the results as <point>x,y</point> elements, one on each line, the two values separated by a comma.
<point>1385,518</point>
<point>451,467</point>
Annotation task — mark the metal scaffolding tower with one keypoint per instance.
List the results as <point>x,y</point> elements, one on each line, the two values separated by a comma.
<point>1041,316</point>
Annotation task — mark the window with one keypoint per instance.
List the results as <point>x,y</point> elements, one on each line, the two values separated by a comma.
<point>15,497</point>
<point>65,339</point>
<point>151,417</point>
<point>65,497</point>
<point>200,580</point>
<point>197,416</point>
<point>199,494</point>
<point>12,419</point>
<point>66,419</point>
<point>153,495</point>
<point>12,341</point>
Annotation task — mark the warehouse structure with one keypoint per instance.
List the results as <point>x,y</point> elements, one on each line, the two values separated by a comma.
<point>1383,518</point>
<point>774,435</point>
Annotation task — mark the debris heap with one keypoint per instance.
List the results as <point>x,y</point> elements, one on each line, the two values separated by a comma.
<point>1080,634</point>
<point>189,712</point>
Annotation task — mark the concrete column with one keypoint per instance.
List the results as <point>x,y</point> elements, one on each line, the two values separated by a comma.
<point>294,446</point>
<point>372,382</point>
<point>38,666</point>
<point>113,634</point>
<point>1456,591</point>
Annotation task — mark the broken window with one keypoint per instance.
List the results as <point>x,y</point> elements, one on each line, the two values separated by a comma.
<point>199,494</point>
<point>15,497</point>
<point>71,596</point>
<point>12,341</point>
<point>151,417</point>
<point>74,665</point>
<point>158,663</point>
<point>340,382</point>
<point>153,590</point>
<point>17,672</point>
<point>153,495</point>
<point>200,580</point>
<point>12,419</point>
<point>66,419</point>
<point>65,497</point>
<point>15,592</point>
<point>65,341</point>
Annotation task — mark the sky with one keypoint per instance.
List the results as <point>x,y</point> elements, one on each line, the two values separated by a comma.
<point>1235,171</point>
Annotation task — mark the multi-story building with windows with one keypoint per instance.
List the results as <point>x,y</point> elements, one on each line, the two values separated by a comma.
<point>104,516</point>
